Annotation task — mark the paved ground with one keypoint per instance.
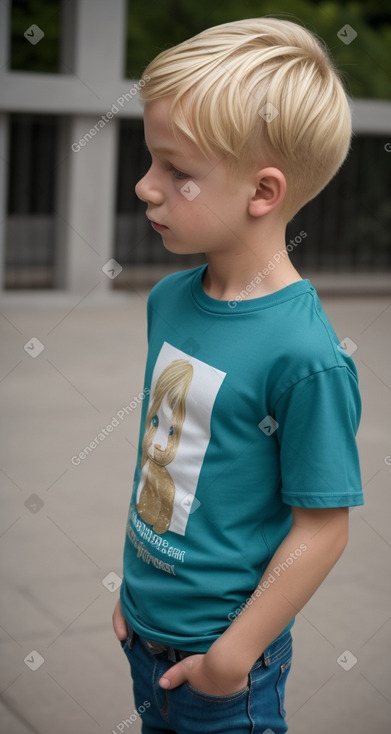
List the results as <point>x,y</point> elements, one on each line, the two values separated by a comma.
<point>62,525</point>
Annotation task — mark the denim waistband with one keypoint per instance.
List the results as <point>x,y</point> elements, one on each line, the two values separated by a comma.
<point>157,648</point>
<point>272,653</point>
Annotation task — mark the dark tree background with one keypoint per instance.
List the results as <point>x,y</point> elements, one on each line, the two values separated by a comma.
<point>152,27</point>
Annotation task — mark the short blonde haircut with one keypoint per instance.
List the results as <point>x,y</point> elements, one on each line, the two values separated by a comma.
<point>223,81</point>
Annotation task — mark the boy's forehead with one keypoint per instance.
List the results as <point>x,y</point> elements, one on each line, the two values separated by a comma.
<point>158,132</point>
<point>156,116</point>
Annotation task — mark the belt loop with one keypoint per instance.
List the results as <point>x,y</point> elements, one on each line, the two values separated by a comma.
<point>171,654</point>
<point>132,636</point>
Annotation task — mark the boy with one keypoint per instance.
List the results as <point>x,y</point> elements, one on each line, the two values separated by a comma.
<point>247,460</point>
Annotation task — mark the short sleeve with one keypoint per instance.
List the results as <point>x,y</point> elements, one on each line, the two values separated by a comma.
<point>318,419</point>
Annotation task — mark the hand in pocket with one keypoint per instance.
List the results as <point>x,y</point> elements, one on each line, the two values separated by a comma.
<point>119,622</point>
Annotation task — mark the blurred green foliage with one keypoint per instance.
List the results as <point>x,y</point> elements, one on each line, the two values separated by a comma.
<point>44,56</point>
<point>365,63</point>
<point>151,27</point>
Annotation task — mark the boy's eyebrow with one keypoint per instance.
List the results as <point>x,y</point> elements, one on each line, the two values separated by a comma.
<point>164,149</point>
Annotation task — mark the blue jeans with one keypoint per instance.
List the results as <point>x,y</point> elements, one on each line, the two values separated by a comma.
<point>256,709</point>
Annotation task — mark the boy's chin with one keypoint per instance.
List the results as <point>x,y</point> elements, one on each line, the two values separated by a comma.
<point>179,248</point>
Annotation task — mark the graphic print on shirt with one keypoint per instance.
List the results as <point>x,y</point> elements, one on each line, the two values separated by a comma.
<point>177,434</point>
<point>161,441</point>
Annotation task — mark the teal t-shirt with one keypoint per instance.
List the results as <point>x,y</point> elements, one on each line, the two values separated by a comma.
<point>248,409</point>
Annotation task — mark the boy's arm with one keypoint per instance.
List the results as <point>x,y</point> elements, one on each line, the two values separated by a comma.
<point>325,534</point>
<point>225,667</point>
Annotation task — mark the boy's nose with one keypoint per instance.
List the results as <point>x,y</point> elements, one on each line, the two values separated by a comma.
<point>146,191</point>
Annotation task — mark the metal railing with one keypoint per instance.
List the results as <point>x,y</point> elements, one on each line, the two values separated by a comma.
<point>346,228</point>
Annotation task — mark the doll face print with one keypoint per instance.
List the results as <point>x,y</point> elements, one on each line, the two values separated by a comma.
<point>176,437</point>
<point>162,421</point>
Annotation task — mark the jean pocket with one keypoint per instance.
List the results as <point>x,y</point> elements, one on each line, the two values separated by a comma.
<point>215,698</point>
<point>280,685</point>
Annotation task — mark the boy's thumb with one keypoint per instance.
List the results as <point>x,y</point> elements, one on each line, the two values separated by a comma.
<point>178,674</point>
<point>173,677</point>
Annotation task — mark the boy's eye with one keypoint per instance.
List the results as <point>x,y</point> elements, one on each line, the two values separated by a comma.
<point>155,420</point>
<point>179,175</point>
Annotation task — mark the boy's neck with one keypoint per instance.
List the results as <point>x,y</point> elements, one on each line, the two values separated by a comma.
<point>227,275</point>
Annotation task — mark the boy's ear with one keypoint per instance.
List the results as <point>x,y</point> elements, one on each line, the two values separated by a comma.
<point>270,191</point>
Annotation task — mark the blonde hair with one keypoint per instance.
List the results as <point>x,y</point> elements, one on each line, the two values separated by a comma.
<point>174,382</point>
<point>223,81</point>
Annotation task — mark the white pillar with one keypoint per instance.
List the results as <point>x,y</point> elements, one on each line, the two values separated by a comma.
<point>87,178</point>
<point>85,204</point>
<point>96,48</point>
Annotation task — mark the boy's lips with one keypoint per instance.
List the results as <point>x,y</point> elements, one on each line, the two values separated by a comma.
<point>156,225</point>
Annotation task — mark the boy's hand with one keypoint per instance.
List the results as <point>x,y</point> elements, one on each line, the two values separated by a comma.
<point>119,622</point>
<point>204,673</point>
